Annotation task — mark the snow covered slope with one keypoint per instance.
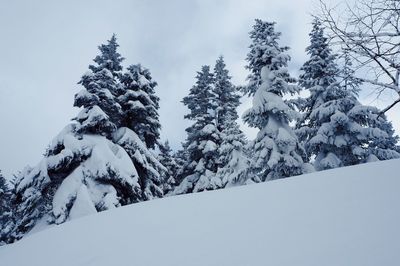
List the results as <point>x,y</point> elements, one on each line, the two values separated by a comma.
<point>347,216</point>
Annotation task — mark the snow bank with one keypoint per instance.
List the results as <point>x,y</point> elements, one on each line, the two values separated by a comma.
<point>346,216</point>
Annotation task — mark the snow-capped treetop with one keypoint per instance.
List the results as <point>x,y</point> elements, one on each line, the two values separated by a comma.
<point>201,99</point>
<point>266,51</point>
<point>227,98</point>
<point>319,74</point>
<point>109,58</point>
<point>319,69</point>
<point>140,104</point>
<point>269,79</point>
<point>101,85</point>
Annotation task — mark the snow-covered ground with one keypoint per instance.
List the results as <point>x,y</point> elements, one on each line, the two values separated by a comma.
<point>347,216</point>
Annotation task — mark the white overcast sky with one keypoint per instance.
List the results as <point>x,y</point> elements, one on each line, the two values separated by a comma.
<point>47,45</point>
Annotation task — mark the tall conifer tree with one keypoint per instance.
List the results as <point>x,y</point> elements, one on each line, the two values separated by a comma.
<point>277,152</point>
<point>140,104</point>
<point>233,164</point>
<point>101,112</point>
<point>335,127</point>
<point>82,171</point>
<point>227,98</point>
<point>203,137</point>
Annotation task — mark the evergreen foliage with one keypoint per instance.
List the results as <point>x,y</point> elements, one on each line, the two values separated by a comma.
<point>6,214</point>
<point>95,163</point>
<point>203,137</point>
<point>105,158</point>
<point>101,112</point>
<point>227,98</point>
<point>140,104</point>
<point>149,170</point>
<point>277,152</point>
<point>167,159</point>
<point>335,127</point>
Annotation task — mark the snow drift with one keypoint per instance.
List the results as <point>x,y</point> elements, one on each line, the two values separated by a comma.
<point>346,216</point>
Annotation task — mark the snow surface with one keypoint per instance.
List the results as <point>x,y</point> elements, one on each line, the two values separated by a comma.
<point>346,216</point>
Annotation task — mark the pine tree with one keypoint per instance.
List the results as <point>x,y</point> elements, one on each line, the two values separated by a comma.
<point>379,139</point>
<point>109,58</point>
<point>319,77</point>
<point>101,113</point>
<point>82,171</point>
<point>181,157</point>
<point>335,127</point>
<point>140,128</point>
<point>277,152</point>
<point>201,145</point>
<point>167,159</point>
<point>376,139</point>
<point>140,104</point>
<point>234,163</point>
<point>6,222</point>
<point>377,135</point>
<point>227,98</point>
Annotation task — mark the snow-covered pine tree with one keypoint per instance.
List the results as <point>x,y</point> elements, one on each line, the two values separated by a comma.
<point>227,98</point>
<point>167,159</point>
<point>101,112</point>
<point>378,140</point>
<point>234,163</point>
<point>140,104</point>
<point>6,222</point>
<point>201,145</point>
<point>82,171</point>
<point>277,152</point>
<point>181,157</point>
<point>318,76</point>
<point>140,128</point>
<point>335,127</point>
<point>148,168</point>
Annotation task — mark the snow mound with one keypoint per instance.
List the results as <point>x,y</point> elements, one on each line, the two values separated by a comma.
<point>346,216</point>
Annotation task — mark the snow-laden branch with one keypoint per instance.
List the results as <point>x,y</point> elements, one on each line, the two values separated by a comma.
<point>381,84</point>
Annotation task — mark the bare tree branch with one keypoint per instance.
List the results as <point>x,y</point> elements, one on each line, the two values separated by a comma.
<point>370,30</point>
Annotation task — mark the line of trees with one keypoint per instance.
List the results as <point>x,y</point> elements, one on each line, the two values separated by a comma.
<point>111,155</point>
